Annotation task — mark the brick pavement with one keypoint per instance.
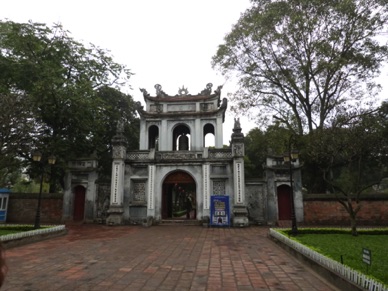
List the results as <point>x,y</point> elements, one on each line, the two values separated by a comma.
<point>96,257</point>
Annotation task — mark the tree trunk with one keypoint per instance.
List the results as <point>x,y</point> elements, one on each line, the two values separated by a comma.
<point>353,225</point>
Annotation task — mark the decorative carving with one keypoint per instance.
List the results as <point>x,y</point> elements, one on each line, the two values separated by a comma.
<point>139,107</point>
<point>206,190</point>
<point>218,90</point>
<point>183,91</point>
<point>139,191</point>
<point>159,91</point>
<point>159,108</point>
<point>237,129</point>
<point>138,156</point>
<point>239,197</point>
<point>220,154</point>
<point>219,187</point>
<point>206,106</point>
<point>207,90</point>
<point>176,156</point>
<point>224,103</point>
<point>237,124</point>
<point>115,182</point>
<point>238,149</point>
<point>145,93</point>
<point>119,152</point>
<point>151,177</point>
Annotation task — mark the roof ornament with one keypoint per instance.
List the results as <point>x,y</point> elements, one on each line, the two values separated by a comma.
<point>159,91</point>
<point>208,90</point>
<point>183,91</point>
<point>139,108</point>
<point>237,126</point>
<point>218,90</point>
<point>145,93</point>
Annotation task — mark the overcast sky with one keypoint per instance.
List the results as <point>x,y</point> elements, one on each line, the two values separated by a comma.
<point>166,42</point>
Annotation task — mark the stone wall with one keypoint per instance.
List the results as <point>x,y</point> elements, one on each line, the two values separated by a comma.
<point>22,208</point>
<point>256,198</point>
<point>319,209</point>
<point>324,209</point>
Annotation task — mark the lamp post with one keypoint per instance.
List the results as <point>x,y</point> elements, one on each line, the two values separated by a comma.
<point>290,157</point>
<point>37,157</point>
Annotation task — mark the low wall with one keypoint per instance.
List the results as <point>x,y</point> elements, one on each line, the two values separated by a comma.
<point>22,208</point>
<point>324,209</point>
<point>319,209</point>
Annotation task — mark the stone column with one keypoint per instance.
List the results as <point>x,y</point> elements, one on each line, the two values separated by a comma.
<point>197,141</point>
<point>206,186</point>
<point>151,191</point>
<point>165,138</point>
<point>240,212</point>
<point>219,142</point>
<point>67,198</point>
<point>116,207</point>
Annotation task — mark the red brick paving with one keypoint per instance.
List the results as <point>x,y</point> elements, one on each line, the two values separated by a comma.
<point>96,257</point>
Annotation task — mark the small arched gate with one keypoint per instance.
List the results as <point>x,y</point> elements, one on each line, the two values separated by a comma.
<point>284,202</point>
<point>79,203</point>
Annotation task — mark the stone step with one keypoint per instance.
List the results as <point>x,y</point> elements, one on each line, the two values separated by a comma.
<point>180,222</point>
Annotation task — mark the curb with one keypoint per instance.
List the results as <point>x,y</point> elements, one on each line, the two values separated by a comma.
<point>330,275</point>
<point>23,238</point>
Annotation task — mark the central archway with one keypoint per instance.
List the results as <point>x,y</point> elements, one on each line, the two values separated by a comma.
<point>179,196</point>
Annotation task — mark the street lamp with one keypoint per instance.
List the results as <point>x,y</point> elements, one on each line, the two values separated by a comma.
<point>37,157</point>
<point>290,157</point>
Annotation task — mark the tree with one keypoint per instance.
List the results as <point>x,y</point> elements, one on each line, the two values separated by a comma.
<point>61,81</point>
<point>117,106</point>
<point>303,62</point>
<point>16,129</point>
<point>259,144</point>
<point>255,153</point>
<point>352,159</point>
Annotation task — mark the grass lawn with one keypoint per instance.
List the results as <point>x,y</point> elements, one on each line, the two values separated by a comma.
<point>340,243</point>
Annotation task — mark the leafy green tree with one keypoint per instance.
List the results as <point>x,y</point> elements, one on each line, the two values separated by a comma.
<point>255,153</point>
<point>117,107</point>
<point>16,130</point>
<point>61,80</point>
<point>260,144</point>
<point>303,62</point>
<point>352,160</point>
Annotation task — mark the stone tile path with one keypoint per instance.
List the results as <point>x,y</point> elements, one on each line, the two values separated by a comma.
<point>96,257</point>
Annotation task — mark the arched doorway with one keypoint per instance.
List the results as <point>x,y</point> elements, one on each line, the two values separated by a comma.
<point>178,193</point>
<point>181,138</point>
<point>79,203</point>
<point>284,202</point>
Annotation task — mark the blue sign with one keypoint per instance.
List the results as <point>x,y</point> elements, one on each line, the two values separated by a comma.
<point>219,211</point>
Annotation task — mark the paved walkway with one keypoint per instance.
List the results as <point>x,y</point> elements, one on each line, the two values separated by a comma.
<point>95,257</point>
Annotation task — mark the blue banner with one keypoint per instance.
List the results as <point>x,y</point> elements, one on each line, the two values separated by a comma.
<point>219,211</point>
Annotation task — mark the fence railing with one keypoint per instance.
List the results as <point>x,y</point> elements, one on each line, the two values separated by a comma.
<point>31,233</point>
<point>348,273</point>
